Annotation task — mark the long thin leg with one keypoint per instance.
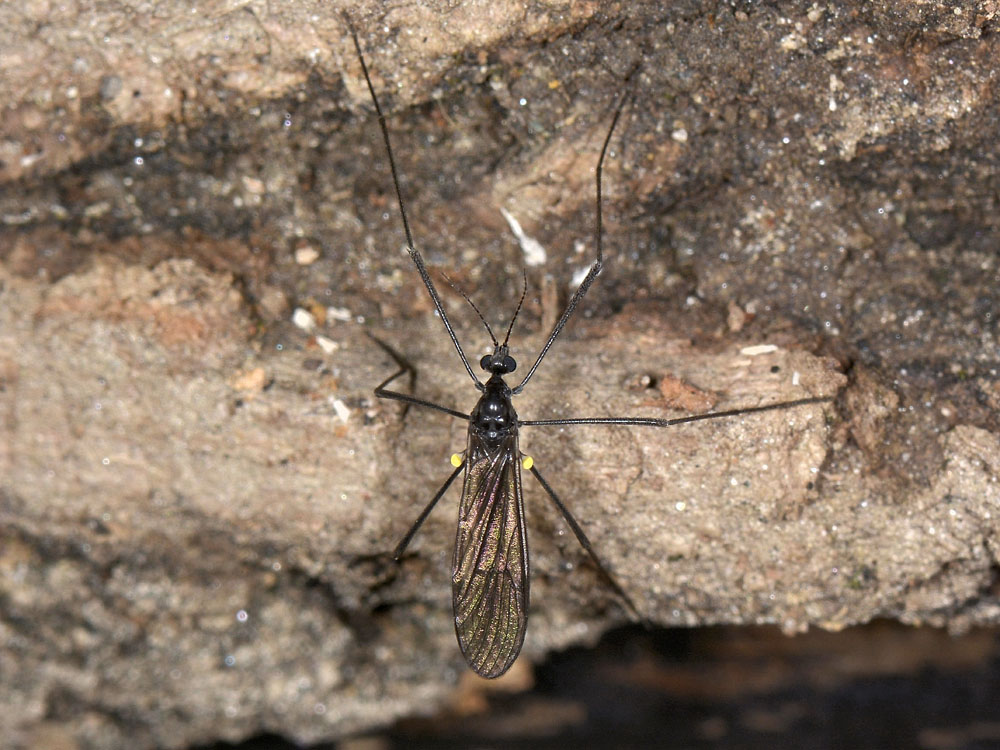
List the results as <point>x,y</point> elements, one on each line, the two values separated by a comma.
<point>405,541</point>
<point>585,543</point>
<point>404,367</point>
<point>652,422</point>
<point>381,392</point>
<point>415,256</point>
<point>403,364</point>
<point>599,241</point>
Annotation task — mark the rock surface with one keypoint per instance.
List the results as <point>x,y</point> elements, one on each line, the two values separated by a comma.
<point>199,496</point>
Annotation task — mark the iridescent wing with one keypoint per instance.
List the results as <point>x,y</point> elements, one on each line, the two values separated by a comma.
<point>490,567</point>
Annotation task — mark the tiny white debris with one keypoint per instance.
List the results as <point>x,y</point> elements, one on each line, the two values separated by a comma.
<point>534,253</point>
<point>342,411</point>
<point>254,185</point>
<point>680,135</point>
<point>303,319</point>
<point>306,256</point>
<point>753,351</point>
<point>795,378</point>
<point>329,346</point>
<point>579,276</point>
<point>339,313</point>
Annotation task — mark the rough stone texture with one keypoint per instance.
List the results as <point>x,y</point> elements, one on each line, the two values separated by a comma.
<point>198,498</point>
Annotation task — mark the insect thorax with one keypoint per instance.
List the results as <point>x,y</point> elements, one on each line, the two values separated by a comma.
<point>494,417</point>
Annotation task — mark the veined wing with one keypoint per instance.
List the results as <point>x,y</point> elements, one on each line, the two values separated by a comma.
<point>490,567</point>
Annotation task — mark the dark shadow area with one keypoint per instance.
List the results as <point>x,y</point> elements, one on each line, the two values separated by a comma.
<point>878,686</point>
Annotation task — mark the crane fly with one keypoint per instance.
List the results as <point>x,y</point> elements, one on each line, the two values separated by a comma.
<point>490,563</point>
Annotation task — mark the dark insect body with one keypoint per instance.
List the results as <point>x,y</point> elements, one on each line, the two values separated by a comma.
<point>490,564</point>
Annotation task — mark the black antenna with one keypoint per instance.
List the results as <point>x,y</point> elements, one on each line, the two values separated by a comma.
<point>465,296</point>
<point>524,291</point>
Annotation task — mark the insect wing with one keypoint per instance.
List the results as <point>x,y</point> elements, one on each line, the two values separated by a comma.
<point>490,568</point>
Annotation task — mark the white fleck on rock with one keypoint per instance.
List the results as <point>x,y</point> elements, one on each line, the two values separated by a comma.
<point>338,313</point>
<point>534,253</point>
<point>329,346</point>
<point>753,351</point>
<point>303,319</point>
<point>306,256</point>
<point>342,411</point>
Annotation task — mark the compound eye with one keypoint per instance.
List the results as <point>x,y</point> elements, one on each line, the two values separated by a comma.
<point>485,362</point>
<point>509,365</point>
